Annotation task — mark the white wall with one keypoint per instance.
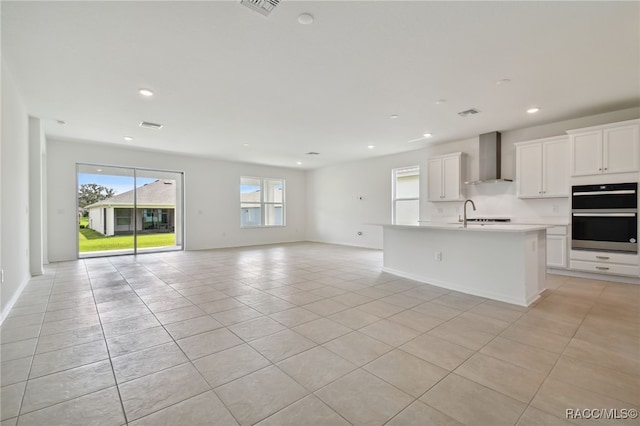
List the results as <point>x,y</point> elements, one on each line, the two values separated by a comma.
<point>212,199</point>
<point>37,152</point>
<point>14,181</point>
<point>335,214</point>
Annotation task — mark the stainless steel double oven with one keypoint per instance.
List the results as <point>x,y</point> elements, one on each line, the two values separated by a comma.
<point>605,217</point>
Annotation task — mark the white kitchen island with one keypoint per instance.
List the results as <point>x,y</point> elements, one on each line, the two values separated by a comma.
<point>500,262</point>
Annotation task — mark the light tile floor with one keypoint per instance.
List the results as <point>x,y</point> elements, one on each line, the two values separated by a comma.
<point>304,334</point>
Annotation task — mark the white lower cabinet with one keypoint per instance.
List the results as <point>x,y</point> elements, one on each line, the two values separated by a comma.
<point>557,247</point>
<point>605,262</point>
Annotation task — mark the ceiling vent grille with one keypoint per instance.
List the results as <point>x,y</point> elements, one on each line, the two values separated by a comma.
<point>263,7</point>
<point>471,111</point>
<point>148,125</point>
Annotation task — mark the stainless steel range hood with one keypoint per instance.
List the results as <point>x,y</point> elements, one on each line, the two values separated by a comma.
<point>489,154</point>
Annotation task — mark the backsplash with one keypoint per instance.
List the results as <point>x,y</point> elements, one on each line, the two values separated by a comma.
<point>500,200</point>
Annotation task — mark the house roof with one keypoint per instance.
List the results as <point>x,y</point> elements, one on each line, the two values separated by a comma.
<point>161,192</point>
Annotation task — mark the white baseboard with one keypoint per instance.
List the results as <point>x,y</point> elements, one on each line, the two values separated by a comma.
<point>14,299</point>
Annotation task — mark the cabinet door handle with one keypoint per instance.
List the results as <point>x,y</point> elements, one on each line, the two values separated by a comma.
<point>602,268</point>
<point>606,168</point>
<point>600,169</point>
<point>603,257</point>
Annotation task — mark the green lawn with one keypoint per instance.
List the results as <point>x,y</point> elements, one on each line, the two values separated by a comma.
<point>91,240</point>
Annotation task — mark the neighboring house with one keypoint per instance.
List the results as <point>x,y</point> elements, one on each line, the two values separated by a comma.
<point>250,209</point>
<point>155,212</point>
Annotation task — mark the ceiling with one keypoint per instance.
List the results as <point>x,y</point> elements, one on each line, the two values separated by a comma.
<point>235,85</point>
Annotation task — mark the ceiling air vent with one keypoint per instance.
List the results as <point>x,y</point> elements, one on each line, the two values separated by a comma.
<point>150,125</point>
<point>312,153</point>
<point>263,7</point>
<point>471,111</point>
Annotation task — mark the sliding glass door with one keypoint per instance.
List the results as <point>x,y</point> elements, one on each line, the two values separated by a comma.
<point>159,211</point>
<point>123,210</point>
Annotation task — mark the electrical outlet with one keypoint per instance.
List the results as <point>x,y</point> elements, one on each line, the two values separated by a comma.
<point>438,256</point>
<point>556,208</point>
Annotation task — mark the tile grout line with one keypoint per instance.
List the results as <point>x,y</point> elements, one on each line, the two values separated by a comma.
<point>256,285</point>
<point>189,360</point>
<point>568,343</point>
<point>104,337</point>
<point>35,349</point>
<point>556,361</point>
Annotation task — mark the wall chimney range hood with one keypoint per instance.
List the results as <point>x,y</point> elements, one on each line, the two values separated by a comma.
<point>489,154</point>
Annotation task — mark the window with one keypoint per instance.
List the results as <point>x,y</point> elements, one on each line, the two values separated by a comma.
<point>406,195</point>
<point>261,202</point>
<point>155,219</point>
<point>123,217</point>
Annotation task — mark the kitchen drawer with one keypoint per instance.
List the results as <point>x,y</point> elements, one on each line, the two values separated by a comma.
<point>605,268</point>
<point>557,230</point>
<point>605,257</point>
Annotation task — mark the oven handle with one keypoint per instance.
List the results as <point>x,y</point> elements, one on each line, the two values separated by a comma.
<point>604,214</point>
<point>618,192</point>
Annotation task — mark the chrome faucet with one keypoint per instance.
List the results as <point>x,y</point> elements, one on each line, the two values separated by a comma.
<point>464,221</point>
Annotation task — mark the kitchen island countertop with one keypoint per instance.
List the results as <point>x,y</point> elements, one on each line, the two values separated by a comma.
<point>482,227</point>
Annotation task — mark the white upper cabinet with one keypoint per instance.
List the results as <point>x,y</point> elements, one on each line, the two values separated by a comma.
<point>542,168</point>
<point>445,177</point>
<point>621,149</point>
<point>614,148</point>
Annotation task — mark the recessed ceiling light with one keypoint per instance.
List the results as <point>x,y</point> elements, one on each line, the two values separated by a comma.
<point>394,116</point>
<point>503,81</point>
<point>128,138</point>
<point>99,170</point>
<point>428,135</point>
<point>441,101</point>
<point>245,144</point>
<point>371,146</point>
<point>533,110</point>
<point>298,162</point>
<point>305,18</point>
<point>146,92</point>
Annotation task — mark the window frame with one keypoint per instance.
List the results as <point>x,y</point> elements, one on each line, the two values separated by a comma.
<point>262,204</point>
<point>395,198</point>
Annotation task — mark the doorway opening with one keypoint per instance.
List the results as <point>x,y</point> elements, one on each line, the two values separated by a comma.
<point>125,210</point>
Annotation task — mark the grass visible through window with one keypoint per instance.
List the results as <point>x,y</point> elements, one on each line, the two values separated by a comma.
<point>91,240</point>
